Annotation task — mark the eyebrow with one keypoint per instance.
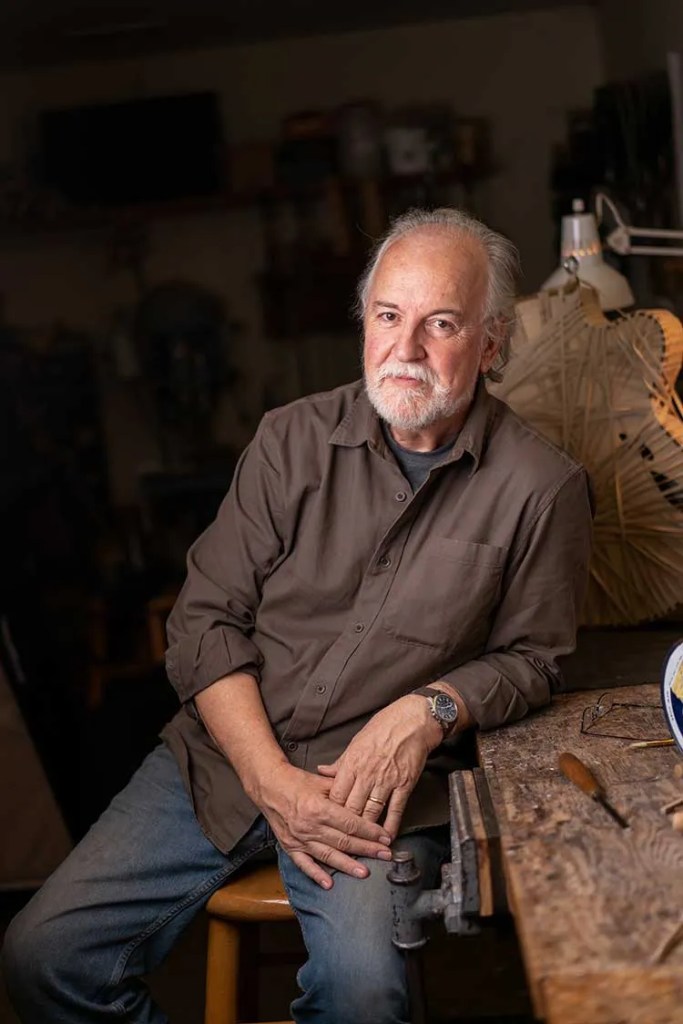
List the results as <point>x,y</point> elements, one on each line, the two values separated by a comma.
<point>434,312</point>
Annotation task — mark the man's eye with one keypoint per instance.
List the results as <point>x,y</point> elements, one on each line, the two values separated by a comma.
<point>387,316</point>
<point>443,325</point>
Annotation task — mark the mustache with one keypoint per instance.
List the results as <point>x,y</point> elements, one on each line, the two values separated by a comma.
<point>411,370</point>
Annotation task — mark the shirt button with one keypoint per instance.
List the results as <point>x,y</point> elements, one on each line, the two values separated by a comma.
<point>320,688</point>
<point>292,746</point>
<point>400,495</point>
<point>384,562</point>
<point>359,627</point>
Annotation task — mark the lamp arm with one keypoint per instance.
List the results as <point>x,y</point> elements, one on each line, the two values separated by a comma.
<point>619,240</point>
<point>654,233</point>
<point>655,250</point>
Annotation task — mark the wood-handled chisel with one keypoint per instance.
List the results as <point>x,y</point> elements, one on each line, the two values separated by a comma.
<point>578,773</point>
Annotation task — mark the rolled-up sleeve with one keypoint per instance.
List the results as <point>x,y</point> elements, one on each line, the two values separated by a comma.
<point>536,620</point>
<point>210,628</point>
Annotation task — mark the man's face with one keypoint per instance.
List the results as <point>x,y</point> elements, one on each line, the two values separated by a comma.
<point>425,338</point>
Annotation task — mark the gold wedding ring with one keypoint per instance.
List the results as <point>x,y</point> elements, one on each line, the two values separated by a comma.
<point>375,800</point>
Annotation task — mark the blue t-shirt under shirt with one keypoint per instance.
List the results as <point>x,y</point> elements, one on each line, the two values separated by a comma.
<point>415,466</point>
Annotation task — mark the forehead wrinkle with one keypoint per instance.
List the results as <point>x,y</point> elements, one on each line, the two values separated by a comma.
<point>459,261</point>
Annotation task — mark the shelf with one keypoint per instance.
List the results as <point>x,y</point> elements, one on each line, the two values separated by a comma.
<point>122,218</point>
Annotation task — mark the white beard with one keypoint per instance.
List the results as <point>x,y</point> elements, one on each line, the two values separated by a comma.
<point>413,408</point>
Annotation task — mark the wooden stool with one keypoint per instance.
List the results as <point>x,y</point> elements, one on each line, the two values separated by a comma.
<point>254,897</point>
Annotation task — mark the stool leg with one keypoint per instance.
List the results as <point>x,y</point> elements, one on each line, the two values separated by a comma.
<point>248,973</point>
<point>222,962</point>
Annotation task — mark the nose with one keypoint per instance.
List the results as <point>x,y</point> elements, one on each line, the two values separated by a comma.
<point>408,347</point>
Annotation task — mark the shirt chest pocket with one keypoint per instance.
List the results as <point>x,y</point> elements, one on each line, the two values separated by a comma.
<point>444,595</point>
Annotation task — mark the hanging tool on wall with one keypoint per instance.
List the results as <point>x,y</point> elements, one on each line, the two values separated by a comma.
<point>581,775</point>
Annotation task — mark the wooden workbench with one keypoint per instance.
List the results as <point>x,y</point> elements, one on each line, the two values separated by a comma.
<point>591,901</point>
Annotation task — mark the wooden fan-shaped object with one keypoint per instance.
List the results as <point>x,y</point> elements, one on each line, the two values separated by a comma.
<point>604,391</point>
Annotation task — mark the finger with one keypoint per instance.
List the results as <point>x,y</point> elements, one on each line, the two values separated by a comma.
<point>312,868</point>
<point>344,821</point>
<point>325,784</point>
<point>329,770</point>
<point>374,807</point>
<point>343,784</point>
<point>352,845</point>
<point>357,799</point>
<point>395,809</point>
<point>366,829</point>
<point>338,860</point>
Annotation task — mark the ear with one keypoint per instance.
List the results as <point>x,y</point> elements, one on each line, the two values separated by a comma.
<point>493,340</point>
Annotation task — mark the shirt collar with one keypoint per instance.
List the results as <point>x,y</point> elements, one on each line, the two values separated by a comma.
<point>361,425</point>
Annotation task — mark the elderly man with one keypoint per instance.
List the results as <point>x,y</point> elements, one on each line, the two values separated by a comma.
<point>396,562</point>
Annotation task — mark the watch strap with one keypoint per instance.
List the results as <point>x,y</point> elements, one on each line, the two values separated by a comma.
<point>427,691</point>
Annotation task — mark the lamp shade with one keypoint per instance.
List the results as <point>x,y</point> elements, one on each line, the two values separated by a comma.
<point>580,241</point>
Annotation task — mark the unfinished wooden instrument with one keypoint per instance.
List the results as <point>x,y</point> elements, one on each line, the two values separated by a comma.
<point>604,390</point>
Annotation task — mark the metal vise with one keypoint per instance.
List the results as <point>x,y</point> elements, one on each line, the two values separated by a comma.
<point>472,884</point>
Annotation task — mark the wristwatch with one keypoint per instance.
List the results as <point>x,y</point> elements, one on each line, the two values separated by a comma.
<point>442,706</point>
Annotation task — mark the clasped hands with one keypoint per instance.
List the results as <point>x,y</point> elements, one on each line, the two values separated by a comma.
<point>330,819</point>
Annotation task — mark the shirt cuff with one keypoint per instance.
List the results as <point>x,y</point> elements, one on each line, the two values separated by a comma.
<point>195,662</point>
<point>491,698</point>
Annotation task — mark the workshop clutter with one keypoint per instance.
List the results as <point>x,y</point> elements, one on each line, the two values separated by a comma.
<point>328,187</point>
<point>360,140</point>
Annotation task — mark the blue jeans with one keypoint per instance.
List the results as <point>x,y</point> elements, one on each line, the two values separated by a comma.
<point>111,912</point>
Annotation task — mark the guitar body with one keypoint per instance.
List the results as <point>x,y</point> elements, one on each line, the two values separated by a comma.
<point>604,390</point>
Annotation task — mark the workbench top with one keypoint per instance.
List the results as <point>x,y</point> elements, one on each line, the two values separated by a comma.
<point>592,901</point>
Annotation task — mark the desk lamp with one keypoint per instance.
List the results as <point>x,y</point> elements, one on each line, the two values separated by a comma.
<point>581,245</point>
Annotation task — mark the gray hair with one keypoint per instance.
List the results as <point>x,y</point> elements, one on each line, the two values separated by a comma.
<point>503,262</point>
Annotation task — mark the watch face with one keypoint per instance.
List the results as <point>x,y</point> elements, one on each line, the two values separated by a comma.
<point>445,707</point>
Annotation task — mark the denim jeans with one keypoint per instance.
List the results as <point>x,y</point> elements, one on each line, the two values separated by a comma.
<point>77,953</point>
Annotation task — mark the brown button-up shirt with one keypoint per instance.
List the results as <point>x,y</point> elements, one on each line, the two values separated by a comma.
<point>340,590</point>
